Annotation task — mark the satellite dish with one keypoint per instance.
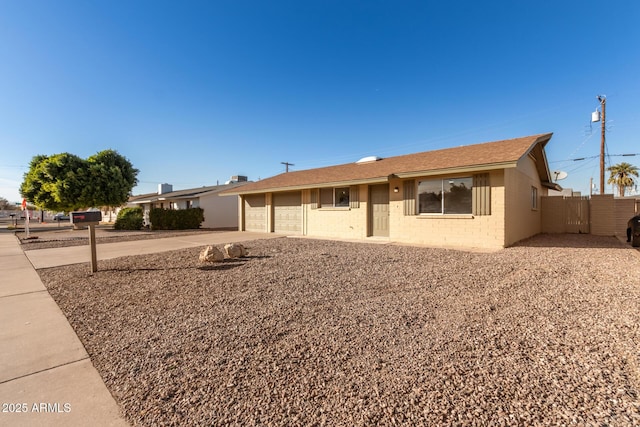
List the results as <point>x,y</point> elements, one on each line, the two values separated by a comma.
<point>558,175</point>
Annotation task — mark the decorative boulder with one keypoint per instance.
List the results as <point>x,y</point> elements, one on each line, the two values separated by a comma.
<point>235,250</point>
<point>211,254</point>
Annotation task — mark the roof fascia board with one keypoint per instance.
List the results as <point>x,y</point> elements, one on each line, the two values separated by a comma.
<point>182,197</point>
<point>310,186</point>
<point>467,169</point>
<point>208,193</point>
<point>542,140</point>
<point>552,185</point>
<point>546,164</point>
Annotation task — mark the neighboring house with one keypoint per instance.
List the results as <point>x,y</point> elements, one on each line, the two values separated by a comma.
<point>110,214</point>
<point>484,195</point>
<point>219,212</point>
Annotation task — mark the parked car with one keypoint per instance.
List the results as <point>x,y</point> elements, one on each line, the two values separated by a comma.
<point>633,231</point>
<point>60,217</point>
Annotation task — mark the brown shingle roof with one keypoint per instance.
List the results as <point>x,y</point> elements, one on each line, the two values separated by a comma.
<point>499,154</point>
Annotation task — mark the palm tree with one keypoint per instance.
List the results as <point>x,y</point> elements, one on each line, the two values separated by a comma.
<point>622,176</point>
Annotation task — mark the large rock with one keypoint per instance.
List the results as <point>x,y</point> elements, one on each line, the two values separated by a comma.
<point>211,254</point>
<point>235,250</point>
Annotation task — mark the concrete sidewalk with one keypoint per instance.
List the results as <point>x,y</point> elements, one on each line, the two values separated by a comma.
<point>46,376</point>
<point>45,258</point>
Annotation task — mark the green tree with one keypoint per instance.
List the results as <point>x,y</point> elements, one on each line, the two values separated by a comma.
<point>622,176</point>
<point>6,205</point>
<point>112,178</point>
<point>66,182</point>
<point>54,182</point>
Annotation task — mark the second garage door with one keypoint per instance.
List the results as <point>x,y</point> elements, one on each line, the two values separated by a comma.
<point>287,212</point>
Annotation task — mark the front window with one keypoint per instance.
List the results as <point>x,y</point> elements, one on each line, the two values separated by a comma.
<point>445,196</point>
<point>338,197</point>
<point>341,197</point>
<point>534,198</point>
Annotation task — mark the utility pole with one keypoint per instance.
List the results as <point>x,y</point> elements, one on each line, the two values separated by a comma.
<point>603,103</point>
<point>287,164</point>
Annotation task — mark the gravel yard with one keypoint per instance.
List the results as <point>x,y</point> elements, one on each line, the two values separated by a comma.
<point>310,332</point>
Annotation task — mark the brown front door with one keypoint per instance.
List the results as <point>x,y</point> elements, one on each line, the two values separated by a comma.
<point>379,210</point>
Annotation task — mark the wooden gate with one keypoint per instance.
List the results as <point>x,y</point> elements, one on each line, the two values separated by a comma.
<point>565,215</point>
<point>577,215</point>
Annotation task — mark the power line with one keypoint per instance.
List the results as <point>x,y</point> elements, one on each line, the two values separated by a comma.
<point>595,157</point>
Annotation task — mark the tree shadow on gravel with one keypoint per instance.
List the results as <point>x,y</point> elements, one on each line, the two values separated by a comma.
<point>130,270</point>
<point>248,257</point>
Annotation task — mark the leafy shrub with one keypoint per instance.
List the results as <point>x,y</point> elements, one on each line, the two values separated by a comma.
<point>170,219</point>
<point>129,219</point>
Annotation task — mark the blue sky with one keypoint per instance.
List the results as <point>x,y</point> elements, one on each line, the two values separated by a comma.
<point>194,92</point>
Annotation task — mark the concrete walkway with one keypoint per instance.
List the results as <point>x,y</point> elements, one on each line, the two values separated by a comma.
<point>46,376</point>
<point>45,258</point>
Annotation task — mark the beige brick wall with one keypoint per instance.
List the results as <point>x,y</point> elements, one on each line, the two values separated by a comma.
<point>345,223</point>
<point>625,209</point>
<point>485,231</point>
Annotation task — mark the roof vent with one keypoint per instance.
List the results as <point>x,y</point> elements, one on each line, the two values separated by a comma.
<point>369,159</point>
<point>237,178</point>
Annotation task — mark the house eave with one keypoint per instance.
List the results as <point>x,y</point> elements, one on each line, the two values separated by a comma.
<point>552,185</point>
<point>379,180</point>
<point>376,180</point>
<point>457,170</point>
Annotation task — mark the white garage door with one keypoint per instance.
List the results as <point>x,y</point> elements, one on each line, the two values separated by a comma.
<point>287,212</point>
<point>255,215</point>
